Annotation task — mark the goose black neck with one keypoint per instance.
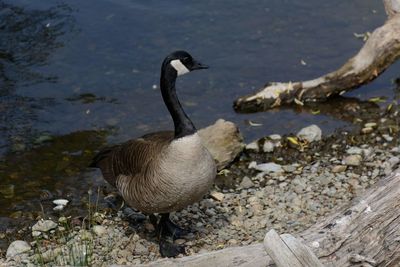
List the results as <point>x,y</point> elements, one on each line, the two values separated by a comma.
<point>183,125</point>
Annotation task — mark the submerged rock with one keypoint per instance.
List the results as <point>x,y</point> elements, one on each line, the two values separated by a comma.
<point>17,247</point>
<point>224,141</point>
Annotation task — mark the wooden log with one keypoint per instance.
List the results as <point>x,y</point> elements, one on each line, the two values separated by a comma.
<point>364,233</point>
<point>285,250</point>
<point>380,51</point>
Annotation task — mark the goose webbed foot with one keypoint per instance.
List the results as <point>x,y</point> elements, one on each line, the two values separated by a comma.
<point>169,249</point>
<point>171,228</point>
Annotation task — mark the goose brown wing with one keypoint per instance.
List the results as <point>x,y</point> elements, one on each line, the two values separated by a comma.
<point>131,157</point>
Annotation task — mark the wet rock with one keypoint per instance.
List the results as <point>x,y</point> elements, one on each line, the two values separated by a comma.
<point>311,133</point>
<point>224,141</point>
<point>246,182</point>
<point>352,160</point>
<point>387,137</point>
<point>17,247</point>
<point>44,226</point>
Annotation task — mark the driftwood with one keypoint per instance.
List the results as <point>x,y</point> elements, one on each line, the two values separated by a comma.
<point>380,51</point>
<point>364,233</point>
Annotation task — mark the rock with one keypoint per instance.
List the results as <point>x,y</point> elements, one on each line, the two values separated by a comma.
<point>44,226</point>
<point>99,230</point>
<point>253,146</point>
<point>367,130</point>
<point>289,168</point>
<point>352,160</point>
<point>36,233</point>
<point>268,147</point>
<point>58,208</point>
<point>140,249</point>
<point>354,151</point>
<point>246,182</point>
<point>275,137</point>
<point>62,202</point>
<point>370,125</point>
<point>387,137</point>
<point>268,167</point>
<point>393,161</point>
<point>311,133</point>
<point>17,247</point>
<point>217,195</point>
<point>223,140</point>
<point>339,168</point>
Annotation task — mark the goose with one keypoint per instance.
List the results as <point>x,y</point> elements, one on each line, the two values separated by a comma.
<point>166,171</point>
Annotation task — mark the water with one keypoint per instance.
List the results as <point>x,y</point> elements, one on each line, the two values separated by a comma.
<point>76,75</point>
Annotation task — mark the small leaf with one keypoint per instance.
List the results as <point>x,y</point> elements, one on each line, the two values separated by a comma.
<point>293,140</point>
<point>315,112</point>
<point>377,99</point>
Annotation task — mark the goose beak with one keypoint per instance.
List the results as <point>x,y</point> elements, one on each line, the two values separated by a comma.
<point>198,66</point>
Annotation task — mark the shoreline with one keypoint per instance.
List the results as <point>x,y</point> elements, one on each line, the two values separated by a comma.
<point>306,181</point>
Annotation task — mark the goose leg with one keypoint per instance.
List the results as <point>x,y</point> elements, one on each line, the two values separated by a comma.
<point>167,248</point>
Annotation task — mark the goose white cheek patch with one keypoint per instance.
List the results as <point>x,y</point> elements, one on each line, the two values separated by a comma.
<point>179,67</point>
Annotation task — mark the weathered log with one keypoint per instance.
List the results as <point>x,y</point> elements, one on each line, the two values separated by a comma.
<point>380,51</point>
<point>364,233</point>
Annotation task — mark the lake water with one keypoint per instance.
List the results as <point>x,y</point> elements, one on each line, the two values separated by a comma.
<point>77,75</point>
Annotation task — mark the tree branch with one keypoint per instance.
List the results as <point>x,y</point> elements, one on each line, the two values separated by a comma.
<point>380,51</point>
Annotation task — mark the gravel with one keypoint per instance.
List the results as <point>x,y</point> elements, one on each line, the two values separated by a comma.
<point>247,200</point>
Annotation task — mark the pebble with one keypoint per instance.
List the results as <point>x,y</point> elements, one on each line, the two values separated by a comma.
<point>311,133</point>
<point>217,195</point>
<point>253,146</point>
<point>269,167</point>
<point>367,130</point>
<point>339,168</point>
<point>354,151</point>
<point>62,202</point>
<point>99,230</point>
<point>352,160</point>
<point>17,247</point>
<point>268,147</point>
<point>44,226</point>
<point>246,182</point>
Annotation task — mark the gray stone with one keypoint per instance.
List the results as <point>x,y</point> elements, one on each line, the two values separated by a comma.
<point>99,230</point>
<point>44,226</point>
<point>311,133</point>
<point>339,168</point>
<point>253,146</point>
<point>393,161</point>
<point>17,247</point>
<point>224,141</point>
<point>268,147</point>
<point>354,151</point>
<point>246,182</point>
<point>352,160</point>
<point>387,137</point>
<point>269,167</point>
<point>217,195</point>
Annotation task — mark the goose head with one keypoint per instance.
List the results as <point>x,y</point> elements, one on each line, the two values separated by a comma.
<point>181,62</point>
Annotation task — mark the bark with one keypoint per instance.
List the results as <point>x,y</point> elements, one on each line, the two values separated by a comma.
<point>364,233</point>
<point>380,51</point>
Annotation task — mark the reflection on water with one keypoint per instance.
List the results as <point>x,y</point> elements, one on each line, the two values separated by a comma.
<point>68,71</point>
<point>28,38</point>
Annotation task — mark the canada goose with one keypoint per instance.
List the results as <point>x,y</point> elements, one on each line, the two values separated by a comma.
<point>166,171</point>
